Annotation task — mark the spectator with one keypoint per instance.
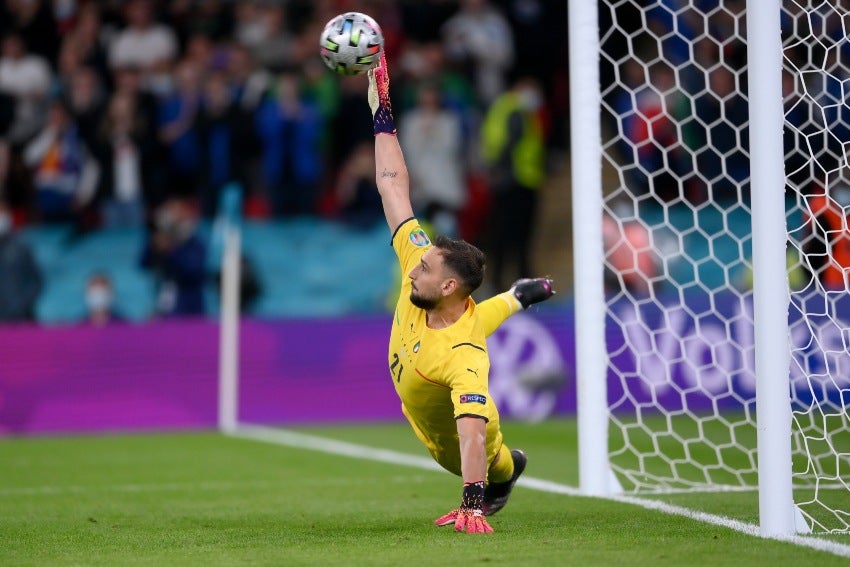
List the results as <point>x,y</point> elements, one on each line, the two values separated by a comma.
<point>650,111</point>
<point>217,124</point>
<point>538,25</point>
<point>65,174</point>
<point>202,53</point>
<point>67,64</point>
<point>357,200</point>
<point>177,256</point>
<point>86,100</point>
<point>144,44</point>
<point>321,89</point>
<point>827,248</point>
<point>290,128</point>
<point>431,139</point>
<point>100,298</point>
<point>26,77</point>
<point>479,37</point>
<point>630,261</point>
<point>427,63</point>
<point>20,276</point>
<point>178,132</point>
<point>249,28</point>
<point>125,154</point>
<point>128,83</point>
<point>88,42</point>
<point>248,83</point>
<point>273,47</point>
<point>513,145</point>
<point>719,139</point>
<point>34,20</point>
<point>350,128</point>
<point>248,80</point>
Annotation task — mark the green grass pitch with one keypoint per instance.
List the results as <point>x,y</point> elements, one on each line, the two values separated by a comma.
<point>200,498</point>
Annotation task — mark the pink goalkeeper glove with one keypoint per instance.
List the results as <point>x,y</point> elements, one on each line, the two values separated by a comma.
<point>379,98</point>
<point>470,516</point>
<point>471,521</point>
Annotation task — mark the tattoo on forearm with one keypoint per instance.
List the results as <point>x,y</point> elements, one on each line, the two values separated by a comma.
<point>386,173</point>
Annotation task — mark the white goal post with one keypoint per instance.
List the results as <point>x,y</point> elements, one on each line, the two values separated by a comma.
<point>770,280</point>
<point>228,395</point>
<point>229,235</point>
<point>693,374</point>
<point>591,367</point>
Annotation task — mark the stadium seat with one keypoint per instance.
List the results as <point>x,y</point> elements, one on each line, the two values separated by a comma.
<point>306,267</point>
<point>68,263</point>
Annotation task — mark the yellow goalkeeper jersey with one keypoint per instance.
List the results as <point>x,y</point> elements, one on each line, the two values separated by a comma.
<point>442,374</point>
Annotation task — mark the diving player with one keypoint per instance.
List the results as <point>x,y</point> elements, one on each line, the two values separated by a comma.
<point>438,353</point>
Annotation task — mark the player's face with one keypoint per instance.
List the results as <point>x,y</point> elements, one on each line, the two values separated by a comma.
<point>429,280</point>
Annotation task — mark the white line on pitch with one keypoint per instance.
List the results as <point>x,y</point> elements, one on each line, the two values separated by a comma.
<point>334,447</point>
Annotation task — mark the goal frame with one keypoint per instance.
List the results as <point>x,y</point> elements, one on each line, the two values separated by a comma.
<point>770,283</point>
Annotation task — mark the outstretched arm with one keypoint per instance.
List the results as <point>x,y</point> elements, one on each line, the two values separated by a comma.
<point>391,174</point>
<point>492,312</point>
<point>392,180</point>
<point>469,517</point>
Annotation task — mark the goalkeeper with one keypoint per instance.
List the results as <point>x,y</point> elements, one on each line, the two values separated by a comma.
<point>438,353</point>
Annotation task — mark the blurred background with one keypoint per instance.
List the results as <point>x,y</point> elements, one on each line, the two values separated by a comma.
<point>124,126</point>
<point>129,130</point>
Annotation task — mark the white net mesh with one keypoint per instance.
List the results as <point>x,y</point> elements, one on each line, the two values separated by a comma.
<point>678,247</point>
<point>816,78</point>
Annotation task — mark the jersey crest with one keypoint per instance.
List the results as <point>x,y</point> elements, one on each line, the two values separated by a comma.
<point>419,238</point>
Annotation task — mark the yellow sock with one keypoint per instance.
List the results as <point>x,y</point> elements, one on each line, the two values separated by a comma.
<point>502,468</point>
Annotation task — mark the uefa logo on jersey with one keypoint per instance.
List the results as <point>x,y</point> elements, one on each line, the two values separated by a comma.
<point>473,399</point>
<point>419,238</point>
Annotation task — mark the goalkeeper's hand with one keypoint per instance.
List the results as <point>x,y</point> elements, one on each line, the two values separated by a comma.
<point>379,97</point>
<point>464,519</point>
<point>529,291</point>
<point>470,516</point>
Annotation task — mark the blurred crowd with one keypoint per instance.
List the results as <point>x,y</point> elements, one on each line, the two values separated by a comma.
<point>675,86</point>
<point>116,113</point>
<point>675,103</point>
<point>111,108</point>
<point>673,76</point>
<point>676,98</point>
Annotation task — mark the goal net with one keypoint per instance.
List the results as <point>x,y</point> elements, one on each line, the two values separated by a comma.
<point>677,231</point>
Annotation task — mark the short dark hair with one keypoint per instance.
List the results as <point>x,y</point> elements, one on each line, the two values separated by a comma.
<point>464,260</point>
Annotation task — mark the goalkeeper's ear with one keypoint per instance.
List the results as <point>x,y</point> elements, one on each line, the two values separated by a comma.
<point>529,291</point>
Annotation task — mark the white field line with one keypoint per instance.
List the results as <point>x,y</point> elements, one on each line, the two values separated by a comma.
<point>334,447</point>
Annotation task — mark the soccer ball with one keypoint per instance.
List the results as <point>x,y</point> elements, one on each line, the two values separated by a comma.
<point>351,43</point>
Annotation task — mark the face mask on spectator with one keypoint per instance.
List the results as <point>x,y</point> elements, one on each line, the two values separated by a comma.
<point>5,223</point>
<point>98,298</point>
<point>530,99</point>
